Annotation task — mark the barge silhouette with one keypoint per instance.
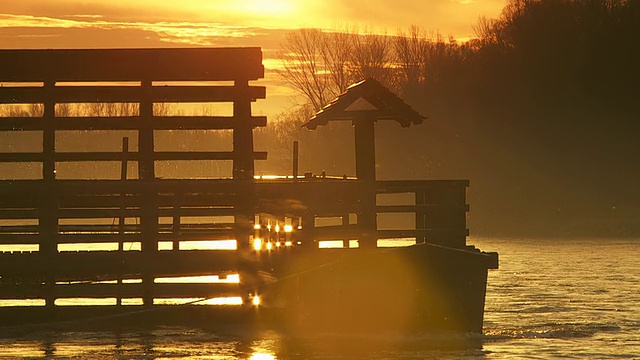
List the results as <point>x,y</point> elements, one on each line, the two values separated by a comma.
<point>279,228</point>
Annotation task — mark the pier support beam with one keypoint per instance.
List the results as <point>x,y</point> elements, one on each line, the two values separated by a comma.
<point>149,208</point>
<point>366,173</point>
<point>243,167</point>
<point>48,217</point>
<point>421,216</point>
<point>242,133</point>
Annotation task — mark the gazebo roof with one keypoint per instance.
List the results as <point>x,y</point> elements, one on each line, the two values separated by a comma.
<point>368,98</point>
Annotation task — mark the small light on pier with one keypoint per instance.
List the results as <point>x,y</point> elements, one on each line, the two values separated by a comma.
<point>257,244</point>
<point>269,246</point>
<point>256,300</point>
<point>257,226</point>
<point>277,228</point>
<point>288,243</point>
<point>288,228</point>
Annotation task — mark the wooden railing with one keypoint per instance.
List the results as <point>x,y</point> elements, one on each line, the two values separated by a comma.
<point>46,201</point>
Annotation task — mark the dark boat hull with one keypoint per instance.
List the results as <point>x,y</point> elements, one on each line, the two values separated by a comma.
<point>423,287</point>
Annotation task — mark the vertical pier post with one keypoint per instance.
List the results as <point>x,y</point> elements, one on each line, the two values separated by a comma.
<point>48,217</point>
<point>295,161</point>
<point>243,167</point>
<point>148,193</point>
<point>365,138</point>
<point>123,209</point>
<point>421,216</point>
<point>366,173</point>
<point>176,222</point>
<point>308,223</point>
<point>123,202</point>
<point>345,225</point>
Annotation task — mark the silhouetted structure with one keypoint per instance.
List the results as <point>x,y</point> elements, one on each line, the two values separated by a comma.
<point>280,224</point>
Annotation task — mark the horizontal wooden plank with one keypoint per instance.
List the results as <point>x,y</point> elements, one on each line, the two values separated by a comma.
<point>114,229</point>
<point>105,264</point>
<point>179,64</point>
<point>96,187</point>
<point>97,228</point>
<point>190,191</point>
<point>100,201</point>
<point>219,155</point>
<point>115,200</point>
<point>399,186</point>
<point>429,233</point>
<point>119,156</point>
<point>354,232</point>
<point>157,290</point>
<point>128,123</point>
<point>94,213</point>
<point>22,157</point>
<point>13,239</point>
<point>206,226</point>
<point>314,191</point>
<point>130,94</point>
<point>221,211</point>
<point>122,290</point>
<point>97,238</point>
<point>198,236</point>
<point>19,229</point>
<point>425,208</point>
<point>17,213</point>
<point>203,122</point>
<point>100,226</point>
<point>184,235</point>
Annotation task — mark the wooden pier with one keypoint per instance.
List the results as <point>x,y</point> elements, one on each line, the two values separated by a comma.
<point>150,231</point>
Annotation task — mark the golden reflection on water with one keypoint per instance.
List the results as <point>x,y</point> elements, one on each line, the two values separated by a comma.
<point>85,302</point>
<point>21,302</point>
<point>209,245</point>
<point>23,351</point>
<point>19,247</point>
<point>158,343</point>
<point>207,279</point>
<point>217,301</point>
<point>234,300</point>
<point>262,356</point>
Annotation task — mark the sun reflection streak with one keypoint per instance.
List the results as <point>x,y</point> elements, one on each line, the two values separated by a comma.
<point>262,356</point>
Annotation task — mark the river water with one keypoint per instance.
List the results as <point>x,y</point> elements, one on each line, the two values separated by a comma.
<point>550,299</point>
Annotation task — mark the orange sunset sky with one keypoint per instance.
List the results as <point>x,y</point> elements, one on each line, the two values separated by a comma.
<point>263,23</point>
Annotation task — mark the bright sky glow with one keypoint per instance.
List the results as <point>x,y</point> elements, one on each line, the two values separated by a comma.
<point>224,23</point>
<point>451,17</point>
<point>266,8</point>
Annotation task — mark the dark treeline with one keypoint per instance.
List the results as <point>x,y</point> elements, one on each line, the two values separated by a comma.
<point>540,112</point>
